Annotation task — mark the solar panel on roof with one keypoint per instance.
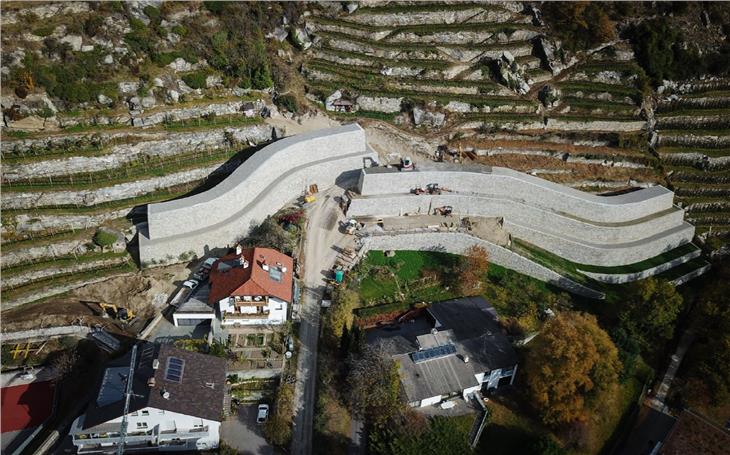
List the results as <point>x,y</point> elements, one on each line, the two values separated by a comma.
<point>275,274</point>
<point>433,353</point>
<point>174,370</point>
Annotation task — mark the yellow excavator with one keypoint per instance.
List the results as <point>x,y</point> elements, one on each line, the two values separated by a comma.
<point>112,310</point>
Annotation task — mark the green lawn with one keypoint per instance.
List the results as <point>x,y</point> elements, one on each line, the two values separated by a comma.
<point>406,266</point>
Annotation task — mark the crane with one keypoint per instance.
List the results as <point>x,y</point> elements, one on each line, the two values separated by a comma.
<point>127,396</point>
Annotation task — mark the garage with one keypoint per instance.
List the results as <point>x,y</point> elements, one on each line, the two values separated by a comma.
<point>193,313</point>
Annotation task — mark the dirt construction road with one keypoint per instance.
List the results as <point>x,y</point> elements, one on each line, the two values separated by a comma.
<point>322,244</point>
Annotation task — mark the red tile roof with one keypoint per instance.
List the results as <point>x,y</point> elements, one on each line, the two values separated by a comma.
<point>252,280</point>
<point>693,434</point>
<point>26,406</point>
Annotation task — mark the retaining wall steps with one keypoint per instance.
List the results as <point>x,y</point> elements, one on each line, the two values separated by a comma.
<point>620,278</point>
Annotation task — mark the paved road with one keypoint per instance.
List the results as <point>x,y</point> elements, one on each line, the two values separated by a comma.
<point>243,433</point>
<point>320,252</point>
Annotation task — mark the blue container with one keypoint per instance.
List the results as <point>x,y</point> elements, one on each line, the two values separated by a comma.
<point>339,276</point>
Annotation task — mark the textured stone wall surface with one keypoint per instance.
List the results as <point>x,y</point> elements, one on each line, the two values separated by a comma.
<point>506,183</point>
<point>604,254</point>
<point>263,184</point>
<point>618,278</point>
<point>691,275</point>
<point>578,226</point>
<point>457,243</point>
<point>516,212</point>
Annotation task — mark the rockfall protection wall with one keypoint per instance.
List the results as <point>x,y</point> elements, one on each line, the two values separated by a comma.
<point>581,227</point>
<point>458,242</point>
<point>616,278</point>
<point>268,180</point>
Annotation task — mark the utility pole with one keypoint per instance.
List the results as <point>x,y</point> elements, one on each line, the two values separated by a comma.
<point>128,395</point>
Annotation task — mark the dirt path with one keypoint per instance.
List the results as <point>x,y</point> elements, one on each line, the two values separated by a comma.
<point>322,244</point>
<point>308,122</point>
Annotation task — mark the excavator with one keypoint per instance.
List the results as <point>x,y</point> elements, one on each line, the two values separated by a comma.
<point>110,309</point>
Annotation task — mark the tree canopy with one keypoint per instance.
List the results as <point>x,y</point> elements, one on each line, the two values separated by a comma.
<point>472,270</point>
<point>374,384</point>
<point>569,366</point>
<point>650,311</point>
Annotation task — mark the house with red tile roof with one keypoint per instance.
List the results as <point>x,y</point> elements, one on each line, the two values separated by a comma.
<point>252,287</point>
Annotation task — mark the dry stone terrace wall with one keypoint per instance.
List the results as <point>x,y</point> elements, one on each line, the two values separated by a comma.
<point>268,180</point>
<point>457,243</point>
<point>581,227</point>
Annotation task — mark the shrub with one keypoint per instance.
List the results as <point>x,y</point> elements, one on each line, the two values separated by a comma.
<point>287,102</point>
<point>44,31</point>
<point>195,80</point>
<point>104,238</point>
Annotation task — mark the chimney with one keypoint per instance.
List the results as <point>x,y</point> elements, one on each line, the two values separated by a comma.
<point>239,249</point>
<point>165,394</point>
<point>265,266</point>
<point>466,359</point>
<point>155,364</point>
<point>151,382</point>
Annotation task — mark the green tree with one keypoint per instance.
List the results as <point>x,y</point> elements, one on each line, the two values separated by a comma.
<point>650,311</point>
<point>271,235</point>
<point>278,429</point>
<point>338,319</point>
<point>569,367</point>
<point>472,270</point>
<point>374,385</point>
<point>708,360</point>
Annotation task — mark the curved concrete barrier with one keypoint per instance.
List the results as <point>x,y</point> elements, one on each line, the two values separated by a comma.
<point>581,227</point>
<point>268,180</point>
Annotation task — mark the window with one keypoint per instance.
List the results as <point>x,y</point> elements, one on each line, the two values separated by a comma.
<point>142,425</point>
<point>145,413</point>
<point>174,370</point>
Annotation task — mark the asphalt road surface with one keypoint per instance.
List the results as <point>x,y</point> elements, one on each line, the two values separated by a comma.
<point>322,242</point>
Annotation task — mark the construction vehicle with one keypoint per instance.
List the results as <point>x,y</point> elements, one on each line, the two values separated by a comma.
<point>110,309</point>
<point>433,188</point>
<point>309,193</point>
<point>350,226</point>
<point>443,211</point>
<point>418,191</point>
<point>406,164</point>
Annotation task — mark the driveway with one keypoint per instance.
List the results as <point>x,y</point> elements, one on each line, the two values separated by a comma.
<point>242,433</point>
<point>323,241</point>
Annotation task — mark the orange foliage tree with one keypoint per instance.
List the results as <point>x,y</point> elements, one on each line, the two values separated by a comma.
<point>472,269</point>
<point>569,367</point>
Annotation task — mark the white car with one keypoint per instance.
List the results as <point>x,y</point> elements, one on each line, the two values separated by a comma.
<point>263,414</point>
<point>191,284</point>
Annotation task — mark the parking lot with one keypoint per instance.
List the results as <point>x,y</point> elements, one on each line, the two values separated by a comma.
<point>242,433</point>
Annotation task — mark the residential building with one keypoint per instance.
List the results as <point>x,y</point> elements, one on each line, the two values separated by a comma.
<point>177,403</point>
<point>693,433</point>
<point>454,349</point>
<point>253,290</point>
<point>252,286</point>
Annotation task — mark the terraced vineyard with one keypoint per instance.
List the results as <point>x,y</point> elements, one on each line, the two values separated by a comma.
<point>693,144</point>
<point>447,60</point>
<point>60,189</point>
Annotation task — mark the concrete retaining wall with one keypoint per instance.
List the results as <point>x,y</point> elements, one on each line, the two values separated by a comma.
<point>691,275</point>
<point>578,226</point>
<point>76,330</point>
<point>505,183</point>
<point>263,184</point>
<point>620,278</point>
<point>457,243</point>
<point>515,211</point>
<point>603,254</point>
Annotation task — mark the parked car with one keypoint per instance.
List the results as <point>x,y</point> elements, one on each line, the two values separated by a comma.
<point>263,414</point>
<point>208,264</point>
<point>191,284</point>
